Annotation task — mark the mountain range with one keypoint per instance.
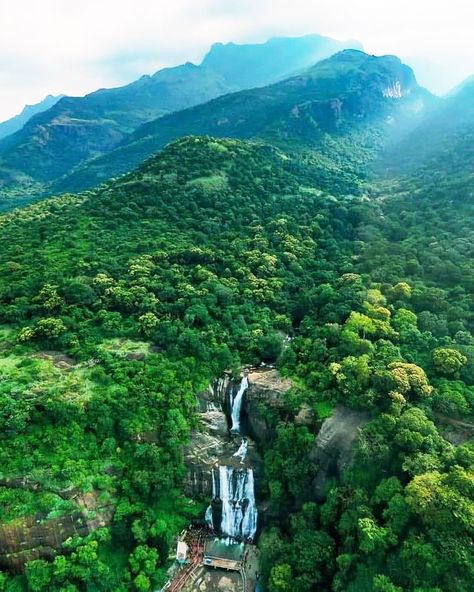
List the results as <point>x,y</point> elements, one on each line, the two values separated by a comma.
<point>309,242</point>
<point>16,123</point>
<point>74,130</point>
<point>341,109</point>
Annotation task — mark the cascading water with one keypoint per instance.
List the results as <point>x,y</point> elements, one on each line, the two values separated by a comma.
<point>233,510</point>
<point>236,403</point>
<point>242,451</point>
<point>209,515</point>
<point>237,496</point>
<point>249,524</point>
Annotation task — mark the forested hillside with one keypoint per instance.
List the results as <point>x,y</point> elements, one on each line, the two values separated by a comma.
<point>440,149</point>
<point>76,129</point>
<point>337,115</point>
<point>119,304</point>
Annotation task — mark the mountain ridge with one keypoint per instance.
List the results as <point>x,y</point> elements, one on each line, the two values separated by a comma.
<point>347,94</point>
<point>15,123</point>
<point>441,145</point>
<point>79,128</point>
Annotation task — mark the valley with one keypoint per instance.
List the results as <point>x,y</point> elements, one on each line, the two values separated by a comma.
<point>240,356</point>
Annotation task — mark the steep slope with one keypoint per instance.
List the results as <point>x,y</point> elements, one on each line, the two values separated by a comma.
<point>76,129</point>
<point>441,148</point>
<point>16,123</point>
<point>252,65</point>
<point>113,424</point>
<point>79,128</point>
<point>118,305</point>
<point>342,108</point>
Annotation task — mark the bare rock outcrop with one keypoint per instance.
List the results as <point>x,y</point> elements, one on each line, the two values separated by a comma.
<point>334,446</point>
<point>39,537</point>
<point>265,395</point>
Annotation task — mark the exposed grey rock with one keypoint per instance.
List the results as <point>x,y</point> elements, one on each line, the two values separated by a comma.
<point>305,416</point>
<point>201,454</point>
<point>268,386</point>
<point>266,392</point>
<point>333,450</point>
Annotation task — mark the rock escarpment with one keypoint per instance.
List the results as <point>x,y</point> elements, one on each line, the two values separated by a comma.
<point>266,393</point>
<point>334,446</point>
<point>213,444</point>
<point>38,537</point>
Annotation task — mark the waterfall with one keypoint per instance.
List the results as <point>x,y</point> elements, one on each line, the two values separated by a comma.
<point>209,516</point>
<point>249,525</point>
<point>215,484</point>
<point>233,510</point>
<point>242,451</point>
<point>237,405</point>
<point>239,511</point>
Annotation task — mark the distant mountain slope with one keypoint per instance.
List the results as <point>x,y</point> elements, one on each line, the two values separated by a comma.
<point>254,65</point>
<point>342,106</point>
<point>441,145</point>
<point>14,124</point>
<point>77,129</point>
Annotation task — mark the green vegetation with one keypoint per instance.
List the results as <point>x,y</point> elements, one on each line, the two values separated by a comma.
<point>78,129</point>
<point>118,305</point>
<point>336,116</point>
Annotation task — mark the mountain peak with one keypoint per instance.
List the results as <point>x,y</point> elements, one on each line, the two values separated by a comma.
<point>349,67</point>
<point>466,86</point>
<point>254,64</point>
<point>350,99</point>
<point>14,124</point>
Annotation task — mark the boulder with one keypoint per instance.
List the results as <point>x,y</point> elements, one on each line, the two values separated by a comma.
<point>268,386</point>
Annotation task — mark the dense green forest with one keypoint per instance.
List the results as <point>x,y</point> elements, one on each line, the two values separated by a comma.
<point>118,305</point>
<point>330,238</point>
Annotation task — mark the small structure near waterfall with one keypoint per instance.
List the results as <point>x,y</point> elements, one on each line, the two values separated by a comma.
<point>223,554</point>
<point>182,552</point>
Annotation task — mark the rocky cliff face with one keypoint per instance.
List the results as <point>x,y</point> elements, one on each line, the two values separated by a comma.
<point>334,446</point>
<point>213,444</point>
<point>264,397</point>
<point>37,537</point>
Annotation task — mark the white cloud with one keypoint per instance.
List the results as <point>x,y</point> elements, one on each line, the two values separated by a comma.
<point>53,46</point>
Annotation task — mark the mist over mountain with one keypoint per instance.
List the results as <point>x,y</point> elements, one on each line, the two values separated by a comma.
<point>14,124</point>
<point>248,343</point>
<point>342,108</point>
<point>254,65</point>
<point>77,129</point>
<point>441,146</point>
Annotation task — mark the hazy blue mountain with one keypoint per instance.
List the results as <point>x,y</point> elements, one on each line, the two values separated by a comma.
<point>442,145</point>
<point>261,64</point>
<point>15,123</point>
<point>464,84</point>
<point>341,109</point>
<point>77,129</point>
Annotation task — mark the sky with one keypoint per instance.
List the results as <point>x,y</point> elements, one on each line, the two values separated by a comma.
<point>74,47</point>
